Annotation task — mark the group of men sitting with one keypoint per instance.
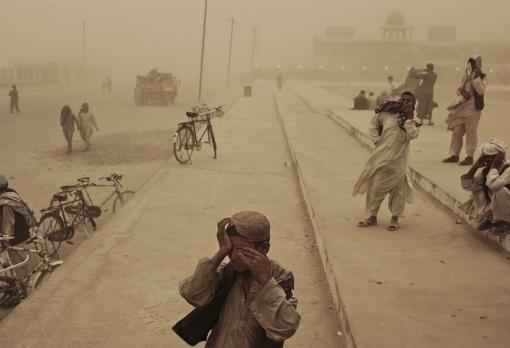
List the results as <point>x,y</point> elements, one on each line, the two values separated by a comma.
<point>362,102</point>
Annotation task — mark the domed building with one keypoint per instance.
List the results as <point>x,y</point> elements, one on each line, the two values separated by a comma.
<point>394,28</point>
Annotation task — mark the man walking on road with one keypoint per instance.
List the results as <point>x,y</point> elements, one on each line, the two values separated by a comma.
<point>87,120</point>
<point>425,92</point>
<point>392,128</point>
<point>246,303</point>
<point>14,99</point>
<point>67,121</point>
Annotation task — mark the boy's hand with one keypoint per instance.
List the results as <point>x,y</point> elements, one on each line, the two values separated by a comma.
<point>223,239</point>
<point>258,263</point>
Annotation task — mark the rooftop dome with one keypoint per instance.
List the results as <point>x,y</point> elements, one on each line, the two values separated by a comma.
<point>395,19</point>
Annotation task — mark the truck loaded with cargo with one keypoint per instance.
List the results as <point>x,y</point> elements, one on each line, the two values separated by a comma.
<point>155,88</point>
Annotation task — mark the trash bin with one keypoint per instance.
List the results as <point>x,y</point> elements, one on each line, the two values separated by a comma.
<point>247,91</point>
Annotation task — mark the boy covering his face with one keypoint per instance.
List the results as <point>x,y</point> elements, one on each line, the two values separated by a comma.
<point>257,308</point>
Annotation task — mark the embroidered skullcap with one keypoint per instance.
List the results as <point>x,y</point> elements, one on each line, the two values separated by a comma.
<point>252,225</point>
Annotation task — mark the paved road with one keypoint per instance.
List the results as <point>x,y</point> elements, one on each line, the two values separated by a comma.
<point>119,288</point>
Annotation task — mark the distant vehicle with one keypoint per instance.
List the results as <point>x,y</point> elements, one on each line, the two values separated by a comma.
<point>156,88</point>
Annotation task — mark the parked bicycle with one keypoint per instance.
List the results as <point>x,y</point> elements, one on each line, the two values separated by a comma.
<point>119,195</point>
<point>186,140</point>
<point>15,276</point>
<point>69,210</point>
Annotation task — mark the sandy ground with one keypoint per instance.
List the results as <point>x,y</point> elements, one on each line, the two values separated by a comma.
<point>133,141</point>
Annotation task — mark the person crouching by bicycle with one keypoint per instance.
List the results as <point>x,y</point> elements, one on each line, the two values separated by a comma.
<point>16,217</point>
<point>247,302</point>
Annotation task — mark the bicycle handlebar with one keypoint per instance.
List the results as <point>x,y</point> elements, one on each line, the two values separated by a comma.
<point>112,177</point>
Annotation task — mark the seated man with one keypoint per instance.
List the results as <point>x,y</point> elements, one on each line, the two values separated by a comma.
<point>361,101</point>
<point>372,102</point>
<point>381,98</point>
<point>250,299</point>
<point>16,218</point>
<point>489,182</point>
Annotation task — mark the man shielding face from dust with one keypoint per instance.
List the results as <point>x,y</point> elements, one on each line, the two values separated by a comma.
<point>392,128</point>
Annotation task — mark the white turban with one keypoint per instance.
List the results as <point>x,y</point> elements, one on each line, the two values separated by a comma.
<point>493,147</point>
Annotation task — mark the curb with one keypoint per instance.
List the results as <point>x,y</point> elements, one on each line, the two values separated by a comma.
<point>326,263</point>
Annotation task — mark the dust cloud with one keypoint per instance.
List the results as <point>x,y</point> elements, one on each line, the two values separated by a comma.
<point>125,38</point>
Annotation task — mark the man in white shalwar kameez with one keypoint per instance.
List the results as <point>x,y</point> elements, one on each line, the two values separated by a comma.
<point>488,180</point>
<point>386,169</point>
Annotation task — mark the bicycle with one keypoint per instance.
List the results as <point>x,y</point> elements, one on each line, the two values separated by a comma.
<point>68,210</point>
<point>185,138</point>
<point>121,196</point>
<point>13,280</point>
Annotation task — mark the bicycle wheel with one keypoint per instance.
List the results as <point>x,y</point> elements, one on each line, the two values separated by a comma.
<point>12,291</point>
<point>6,289</point>
<point>88,224</point>
<point>51,228</point>
<point>212,141</point>
<point>183,144</point>
<point>122,199</point>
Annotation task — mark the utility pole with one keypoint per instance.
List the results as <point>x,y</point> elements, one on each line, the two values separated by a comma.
<point>83,43</point>
<point>232,22</point>
<point>202,57</point>
<point>254,40</point>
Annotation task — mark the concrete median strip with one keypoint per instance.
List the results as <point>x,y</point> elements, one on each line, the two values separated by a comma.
<point>314,219</point>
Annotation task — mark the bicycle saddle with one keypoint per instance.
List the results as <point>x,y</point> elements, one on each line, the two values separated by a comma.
<point>68,187</point>
<point>48,210</point>
<point>60,196</point>
<point>191,114</point>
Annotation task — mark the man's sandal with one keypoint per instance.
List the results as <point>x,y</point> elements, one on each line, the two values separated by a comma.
<point>367,223</point>
<point>393,226</point>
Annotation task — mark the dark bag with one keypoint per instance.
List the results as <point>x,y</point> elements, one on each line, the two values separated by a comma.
<point>21,229</point>
<point>479,101</point>
<point>195,327</point>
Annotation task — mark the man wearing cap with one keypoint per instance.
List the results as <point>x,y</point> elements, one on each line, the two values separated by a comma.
<point>257,308</point>
<point>488,180</point>
<point>16,218</point>
<point>425,92</point>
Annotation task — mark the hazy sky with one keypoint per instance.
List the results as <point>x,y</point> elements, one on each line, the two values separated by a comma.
<point>140,34</point>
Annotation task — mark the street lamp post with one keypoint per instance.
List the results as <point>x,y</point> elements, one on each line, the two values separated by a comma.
<point>83,48</point>
<point>254,41</point>
<point>230,51</point>
<point>202,57</point>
